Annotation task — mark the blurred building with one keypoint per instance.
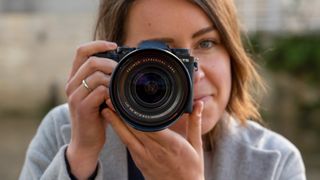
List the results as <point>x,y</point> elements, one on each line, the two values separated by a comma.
<point>47,6</point>
<point>276,16</point>
<point>37,43</point>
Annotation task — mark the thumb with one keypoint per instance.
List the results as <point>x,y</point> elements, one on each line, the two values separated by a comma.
<point>194,135</point>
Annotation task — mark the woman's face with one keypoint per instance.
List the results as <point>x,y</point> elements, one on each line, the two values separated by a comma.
<point>182,24</point>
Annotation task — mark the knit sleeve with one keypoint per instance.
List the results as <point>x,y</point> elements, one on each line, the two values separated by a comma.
<point>45,155</point>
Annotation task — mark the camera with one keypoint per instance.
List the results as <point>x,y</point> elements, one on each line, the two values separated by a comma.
<point>152,85</point>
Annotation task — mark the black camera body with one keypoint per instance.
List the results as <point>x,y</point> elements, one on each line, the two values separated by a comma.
<point>152,85</point>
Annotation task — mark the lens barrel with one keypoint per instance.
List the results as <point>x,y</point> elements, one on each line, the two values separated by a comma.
<point>150,89</point>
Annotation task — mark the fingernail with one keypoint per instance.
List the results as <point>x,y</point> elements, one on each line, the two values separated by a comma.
<point>200,109</point>
<point>106,112</point>
<point>112,44</point>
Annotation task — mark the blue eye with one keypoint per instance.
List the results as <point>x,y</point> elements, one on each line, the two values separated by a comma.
<point>206,44</point>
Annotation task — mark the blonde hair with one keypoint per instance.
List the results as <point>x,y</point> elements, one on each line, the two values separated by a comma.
<point>246,82</point>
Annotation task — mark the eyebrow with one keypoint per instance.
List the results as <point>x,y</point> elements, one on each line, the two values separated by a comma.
<point>203,31</point>
<point>194,35</point>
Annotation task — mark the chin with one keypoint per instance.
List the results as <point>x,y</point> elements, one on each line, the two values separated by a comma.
<point>210,116</point>
<point>207,125</point>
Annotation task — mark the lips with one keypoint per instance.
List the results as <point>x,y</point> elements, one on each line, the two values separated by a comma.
<point>201,97</point>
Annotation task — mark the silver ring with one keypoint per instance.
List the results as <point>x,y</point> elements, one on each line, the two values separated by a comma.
<point>84,82</point>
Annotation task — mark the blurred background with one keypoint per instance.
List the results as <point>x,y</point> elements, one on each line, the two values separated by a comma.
<point>38,39</point>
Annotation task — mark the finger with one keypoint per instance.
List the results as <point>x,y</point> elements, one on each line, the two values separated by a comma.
<point>127,137</point>
<point>109,104</point>
<point>150,143</point>
<point>82,92</point>
<point>96,79</point>
<point>194,134</point>
<point>96,98</point>
<point>75,98</point>
<point>142,136</point>
<point>92,65</point>
<point>78,95</point>
<point>164,138</point>
<point>86,50</point>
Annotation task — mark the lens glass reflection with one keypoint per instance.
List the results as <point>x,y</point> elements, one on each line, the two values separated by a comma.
<point>150,87</point>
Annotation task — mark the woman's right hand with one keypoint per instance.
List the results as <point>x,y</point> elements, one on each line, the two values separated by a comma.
<point>88,126</point>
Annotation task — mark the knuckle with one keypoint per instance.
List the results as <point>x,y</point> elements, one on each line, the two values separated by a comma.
<point>132,145</point>
<point>92,63</point>
<point>72,100</point>
<point>81,49</point>
<point>67,89</point>
<point>160,154</point>
<point>129,144</point>
<point>99,74</point>
<point>139,161</point>
<point>107,92</point>
<point>101,89</point>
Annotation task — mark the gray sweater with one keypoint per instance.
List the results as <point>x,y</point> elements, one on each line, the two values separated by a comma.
<point>249,152</point>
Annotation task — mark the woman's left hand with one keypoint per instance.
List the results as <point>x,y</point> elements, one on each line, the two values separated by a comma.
<point>164,154</point>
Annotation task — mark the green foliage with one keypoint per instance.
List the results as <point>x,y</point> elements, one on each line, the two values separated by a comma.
<point>297,55</point>
<point>294,62</point>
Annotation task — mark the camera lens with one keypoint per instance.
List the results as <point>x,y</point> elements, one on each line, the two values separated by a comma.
<point>150,88</point>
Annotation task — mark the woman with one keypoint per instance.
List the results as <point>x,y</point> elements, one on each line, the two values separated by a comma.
<point>215,141</point>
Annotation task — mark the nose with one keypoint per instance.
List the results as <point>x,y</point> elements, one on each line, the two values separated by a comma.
<point>199,74</point>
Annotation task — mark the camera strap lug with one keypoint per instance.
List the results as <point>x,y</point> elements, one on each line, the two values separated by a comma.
<point>196,63</point>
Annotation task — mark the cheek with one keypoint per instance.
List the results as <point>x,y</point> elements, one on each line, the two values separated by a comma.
<point>217,72</point>
<point>217,78</point>
<point>210,116</point>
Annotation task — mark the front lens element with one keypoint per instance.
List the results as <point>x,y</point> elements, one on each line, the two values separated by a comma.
<point>150,87</point>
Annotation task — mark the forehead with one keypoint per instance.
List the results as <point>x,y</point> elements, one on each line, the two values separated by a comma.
<point>151,18</point>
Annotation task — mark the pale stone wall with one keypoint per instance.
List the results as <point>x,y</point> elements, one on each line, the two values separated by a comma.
<point>37,43</point>
<point>36,51</point>
<point>296,16</point>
